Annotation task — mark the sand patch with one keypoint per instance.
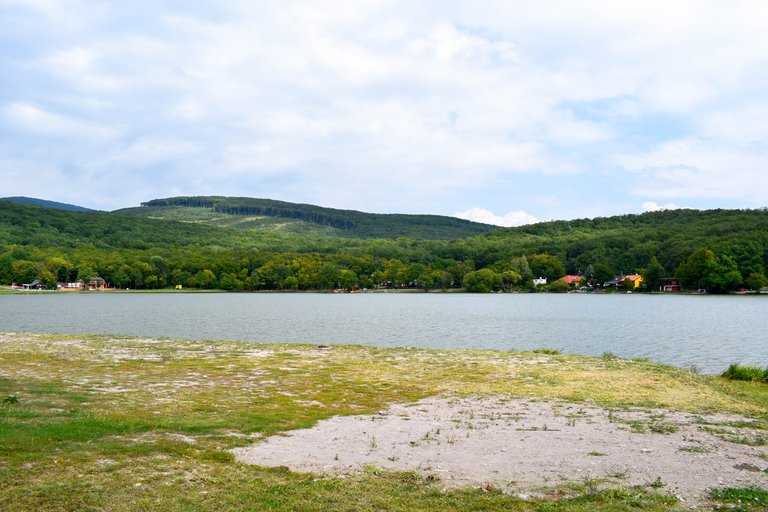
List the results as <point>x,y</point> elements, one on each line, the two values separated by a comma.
<point>522,445</point>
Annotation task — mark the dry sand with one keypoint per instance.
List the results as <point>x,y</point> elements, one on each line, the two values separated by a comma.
<point>522,446</point>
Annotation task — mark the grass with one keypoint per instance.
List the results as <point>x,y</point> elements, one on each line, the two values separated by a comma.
<point>747,373</point>
<point>99,423</point>
<point>741,499</point>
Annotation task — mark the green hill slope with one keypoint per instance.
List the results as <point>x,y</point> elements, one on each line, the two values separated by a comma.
<point>268,214</point>
<point>211,249</point>
<point>46,204</point>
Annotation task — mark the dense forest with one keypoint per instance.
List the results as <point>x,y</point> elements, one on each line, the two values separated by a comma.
<point>344,223</point>
<point>716,250</point>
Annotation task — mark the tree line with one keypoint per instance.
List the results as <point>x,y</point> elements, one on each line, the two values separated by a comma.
<point>716,250</point>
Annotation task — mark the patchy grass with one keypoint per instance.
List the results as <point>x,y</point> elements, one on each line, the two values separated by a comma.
<point>741,499</point>
<point>99,423</point>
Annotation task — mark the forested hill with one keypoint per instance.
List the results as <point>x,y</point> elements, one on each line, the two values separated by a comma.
<point>46,204</point>
<point>244,212</point>
<point>716,250</point>
<point>628,242</point>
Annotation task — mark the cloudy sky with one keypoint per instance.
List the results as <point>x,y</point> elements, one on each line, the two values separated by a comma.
<point>504,112</point>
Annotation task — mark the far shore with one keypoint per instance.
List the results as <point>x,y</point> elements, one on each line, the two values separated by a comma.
<point>9,290</point>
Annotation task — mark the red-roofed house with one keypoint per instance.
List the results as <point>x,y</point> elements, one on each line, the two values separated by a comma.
<point>571,280</point>
<point>635,279</point>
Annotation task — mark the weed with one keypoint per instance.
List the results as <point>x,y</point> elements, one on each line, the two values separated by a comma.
<point>546,351</point>
<point>429,436</point>
<point>656,484</point>
<point>693,449</point>
<point>10,399</point>
<point>597,454</point>
<point>663,427</point>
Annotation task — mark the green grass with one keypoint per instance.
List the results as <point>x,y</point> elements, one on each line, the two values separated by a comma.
<point>133,424</point>
<point>746,372</point>
<point>741,499</point>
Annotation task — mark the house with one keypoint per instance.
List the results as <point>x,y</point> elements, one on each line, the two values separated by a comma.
<point>635,279</point>
<point>571,280</point>
<point>34,285</point>
<point>669,284</point>
<point>96,283</point>
<point>620,282</point>
<point>540,281</point>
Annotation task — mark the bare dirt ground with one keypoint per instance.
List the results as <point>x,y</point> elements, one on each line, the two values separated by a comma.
<point>522,446</point>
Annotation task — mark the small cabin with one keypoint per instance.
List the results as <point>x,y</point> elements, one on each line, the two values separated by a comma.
<point>669,284</point>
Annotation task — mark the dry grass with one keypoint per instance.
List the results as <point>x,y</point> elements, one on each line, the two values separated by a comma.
<point>135,423</point>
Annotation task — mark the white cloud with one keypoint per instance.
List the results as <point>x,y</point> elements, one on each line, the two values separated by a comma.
<point>696,168</point>
<point>400,105</point>
<point>35,120</point>
<point>650,206</point>
<point>517,218</point>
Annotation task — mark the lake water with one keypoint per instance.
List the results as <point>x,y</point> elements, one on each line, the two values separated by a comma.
<point>708,332</point>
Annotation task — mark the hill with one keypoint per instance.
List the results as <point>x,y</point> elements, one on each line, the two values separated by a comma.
<point>719,250</point>
<point>46,204</point>
<point>268,214</point>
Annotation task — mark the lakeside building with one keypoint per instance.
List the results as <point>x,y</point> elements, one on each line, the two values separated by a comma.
<point>95,284</point>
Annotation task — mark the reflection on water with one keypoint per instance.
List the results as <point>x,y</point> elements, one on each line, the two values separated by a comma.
<point>707,332</point>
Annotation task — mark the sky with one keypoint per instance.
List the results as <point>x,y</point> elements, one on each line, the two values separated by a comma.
<point>506,112</point>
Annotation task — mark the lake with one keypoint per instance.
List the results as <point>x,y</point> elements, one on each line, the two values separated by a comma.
<point>708,332</point>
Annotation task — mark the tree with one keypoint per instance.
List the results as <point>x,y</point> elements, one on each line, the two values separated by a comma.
<point>59,267</point>
<point>49,279</point>
<point>558,286</point>
<point>510,278</point>
<point>482,281</point>
<point>546,265</point>
<point>602,273</point>
<point>756,281</point>
<point>703,269</point>
<point>85,273</point>
<point>229,281</point>
<point>151,281</point>
<point>723,276</point>
<point>347,279</point>
<point>425,281</point>
<point>205,279</point>
<point>328,276</point>
<point>695,267</point>
<point>653,274</point>
<point>23,271</point>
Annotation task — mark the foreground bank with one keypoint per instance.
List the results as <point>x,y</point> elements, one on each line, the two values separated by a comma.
<point>97,423</point>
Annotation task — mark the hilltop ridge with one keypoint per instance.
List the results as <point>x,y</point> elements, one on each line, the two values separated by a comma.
<point>34,201</point>
<point>251,213</point>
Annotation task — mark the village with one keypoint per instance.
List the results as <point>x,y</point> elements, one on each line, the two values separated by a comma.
<point>94,284</point>
<point>625,283</point>
<point>576,283</point>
